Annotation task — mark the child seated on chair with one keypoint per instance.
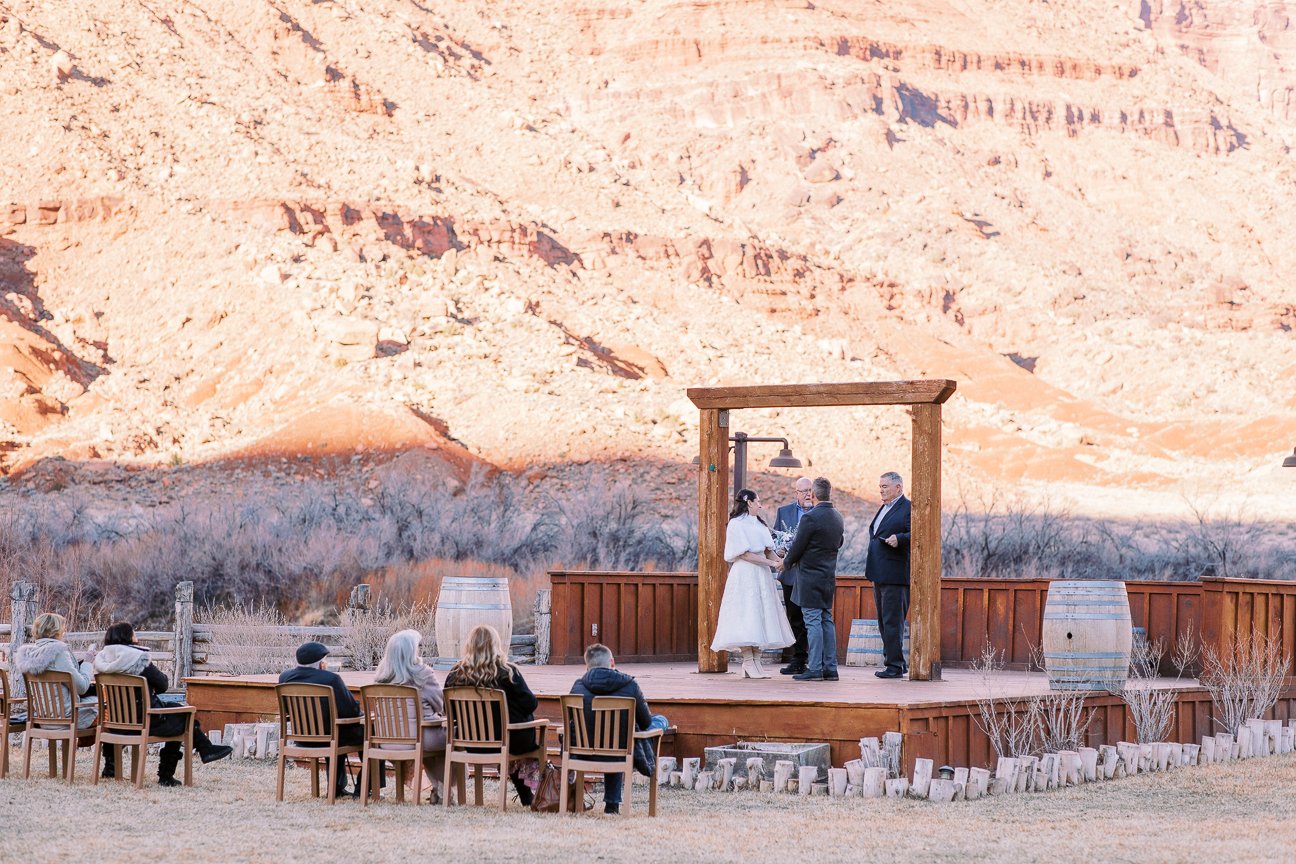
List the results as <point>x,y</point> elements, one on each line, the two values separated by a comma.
<point>122,655</point>
<point>602,678</point>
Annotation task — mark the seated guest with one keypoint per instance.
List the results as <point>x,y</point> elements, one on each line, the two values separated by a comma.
<point>403,664</point>
<point>485,665</point>
<point>312,668</point>
<point>122,655</point>
<point>49,653</point>
<point>602,679</point>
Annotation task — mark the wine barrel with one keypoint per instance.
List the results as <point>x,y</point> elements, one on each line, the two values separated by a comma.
<point>465,602</point>
<point>1087,635</point>
<point>864,647</point>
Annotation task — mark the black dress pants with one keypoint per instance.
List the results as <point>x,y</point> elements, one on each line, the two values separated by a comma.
<point>893,607</point>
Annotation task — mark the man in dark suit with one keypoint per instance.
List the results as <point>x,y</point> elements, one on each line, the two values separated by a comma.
<point>887,567</point>
<point>312,669</point>
<point>814,553</point>
<point>789,516</point>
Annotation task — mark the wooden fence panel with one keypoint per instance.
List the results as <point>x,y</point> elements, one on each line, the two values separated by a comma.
<point>1233,609</point>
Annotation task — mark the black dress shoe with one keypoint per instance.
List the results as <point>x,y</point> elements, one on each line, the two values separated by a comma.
<point>215,753</point>
<point>792,669</point>
<point>808,676</point>
<point>169,782</point>
<point>831,676</point>
<point>889,673</point>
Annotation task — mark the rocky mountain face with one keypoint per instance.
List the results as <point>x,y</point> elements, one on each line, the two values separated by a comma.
<point>256,232</point>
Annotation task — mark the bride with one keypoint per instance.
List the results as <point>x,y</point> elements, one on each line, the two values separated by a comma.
<point>751,617</point>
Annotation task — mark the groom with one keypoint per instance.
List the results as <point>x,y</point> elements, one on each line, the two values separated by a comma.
<point>789,517</point>
<point>814,553</point>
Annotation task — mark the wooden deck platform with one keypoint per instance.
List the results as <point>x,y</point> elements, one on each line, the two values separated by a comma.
<point>936,717</point>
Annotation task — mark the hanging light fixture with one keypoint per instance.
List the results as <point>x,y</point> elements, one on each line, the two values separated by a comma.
<point>1290,461</point>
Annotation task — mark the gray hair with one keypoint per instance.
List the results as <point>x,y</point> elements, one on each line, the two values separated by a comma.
<point>893,477</point>
<point>401,663</point>
<point>822,489</point>
<point>598,656</point>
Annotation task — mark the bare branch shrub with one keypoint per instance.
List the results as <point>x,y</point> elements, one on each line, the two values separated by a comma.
<point>1245,679</point>
<point>249,640</point>
<point>367,631</point>
<point>1005,719</point>
<point>1150,707</point>
<point>1058,721</point>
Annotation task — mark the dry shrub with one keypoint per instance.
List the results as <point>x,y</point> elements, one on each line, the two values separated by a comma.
<point>249,640</point>
<point>1022,725</point>
<point>367,631</point>
<point>1244,679</point>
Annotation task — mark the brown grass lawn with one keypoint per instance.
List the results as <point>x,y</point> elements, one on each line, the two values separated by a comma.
<point>1240,812</point>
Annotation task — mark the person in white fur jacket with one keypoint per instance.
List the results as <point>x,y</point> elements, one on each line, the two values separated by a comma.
<point>122,655</point>
<point>49,653</point>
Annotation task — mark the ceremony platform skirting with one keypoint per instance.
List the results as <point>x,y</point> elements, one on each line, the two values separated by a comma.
<point>937,718</point>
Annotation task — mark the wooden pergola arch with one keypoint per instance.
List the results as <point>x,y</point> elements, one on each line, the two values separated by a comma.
<point>924,490</point>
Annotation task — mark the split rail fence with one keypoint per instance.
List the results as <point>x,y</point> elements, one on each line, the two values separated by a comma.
<point>193,648</point>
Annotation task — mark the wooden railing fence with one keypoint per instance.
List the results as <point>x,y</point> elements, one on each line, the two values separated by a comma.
<point>193,648</point>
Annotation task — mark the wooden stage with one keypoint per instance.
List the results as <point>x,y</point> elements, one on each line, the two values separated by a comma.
<point>935,717</point>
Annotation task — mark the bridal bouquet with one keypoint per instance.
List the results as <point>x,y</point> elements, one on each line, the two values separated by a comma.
<point>783,540</point>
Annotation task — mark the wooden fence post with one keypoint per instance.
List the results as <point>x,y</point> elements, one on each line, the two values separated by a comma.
<point>184,612</point>
<point>357,602</point>
<point>543,611</point>
<point>22,597</point>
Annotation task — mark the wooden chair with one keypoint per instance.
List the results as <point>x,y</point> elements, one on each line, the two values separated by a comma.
<point>124,714</point>
<point>308,729</point>
<point>394,727</point>
<point>7,725</point>
<point>477,734</point>
<point>51,717</point>
<point>602,742</point>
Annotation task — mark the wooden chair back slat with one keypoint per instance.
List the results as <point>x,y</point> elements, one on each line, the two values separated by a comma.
<point>477,717</point>
<point>306,712</point>
<point>393,714</point>
<point>605,730</point>
<point>123,702</point>
<point>50,698</point>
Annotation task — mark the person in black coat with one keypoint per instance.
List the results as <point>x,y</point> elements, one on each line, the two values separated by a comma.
<point>789,516</point>
<point>484,664</point>
<point>814,553</point>
<point>887,567</point>
<point>122,655</point>
<point>311,668</point>
<point>602,678</point>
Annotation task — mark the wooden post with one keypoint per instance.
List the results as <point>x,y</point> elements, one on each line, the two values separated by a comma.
<point>925,545</point>
<point>713,510</point>
<point>184,612</point>
<point>543,614</point>
<point>22,598</point>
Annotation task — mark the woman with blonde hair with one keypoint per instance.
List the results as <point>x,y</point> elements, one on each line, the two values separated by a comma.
<point>484,664</point>
<point>49,653</point>
<point>403,664</point>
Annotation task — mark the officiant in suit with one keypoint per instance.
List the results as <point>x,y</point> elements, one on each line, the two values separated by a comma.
<point>789,516</point>
<point>887,567</point>
<point>814,555</point>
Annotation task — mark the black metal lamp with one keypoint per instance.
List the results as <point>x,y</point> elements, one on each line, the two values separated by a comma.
<point>785,459</point>
<point>1290,461</point>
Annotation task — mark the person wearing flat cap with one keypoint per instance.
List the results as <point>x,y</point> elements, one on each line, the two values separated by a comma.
<point>311,668</point>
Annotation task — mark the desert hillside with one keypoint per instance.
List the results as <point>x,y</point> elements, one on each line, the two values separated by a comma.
<point>303,236</point>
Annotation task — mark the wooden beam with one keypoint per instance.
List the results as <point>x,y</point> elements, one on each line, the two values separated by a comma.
<point>823,395</point>
<point>925,546</point>
<point>713,512</point>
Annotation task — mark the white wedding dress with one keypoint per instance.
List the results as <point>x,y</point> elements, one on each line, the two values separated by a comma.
<point>750,612</point>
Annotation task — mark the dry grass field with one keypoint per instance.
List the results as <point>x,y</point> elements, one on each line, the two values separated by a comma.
<point>1233,813</point>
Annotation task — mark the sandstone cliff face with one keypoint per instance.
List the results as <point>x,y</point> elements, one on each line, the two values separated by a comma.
<point>515,234</point>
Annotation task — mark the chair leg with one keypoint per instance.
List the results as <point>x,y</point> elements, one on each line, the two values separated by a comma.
<point>188,753</point>
<point>449,779</point>
<point>626,785</point>
<point>478,786</point>
<point>504,782</point>
<point>652,796</point>
<point>69,757</point>
<point>462,784</point>
<point>27,748</point>
<point>562,794</point>
<point>94,761</point>
<point>332,768</point>
<point>364,781</point>
<point>417,767</point>
<point>141,761</point>
<point>279,782</point>
<point>52,745</point>
<point>315,764</point>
